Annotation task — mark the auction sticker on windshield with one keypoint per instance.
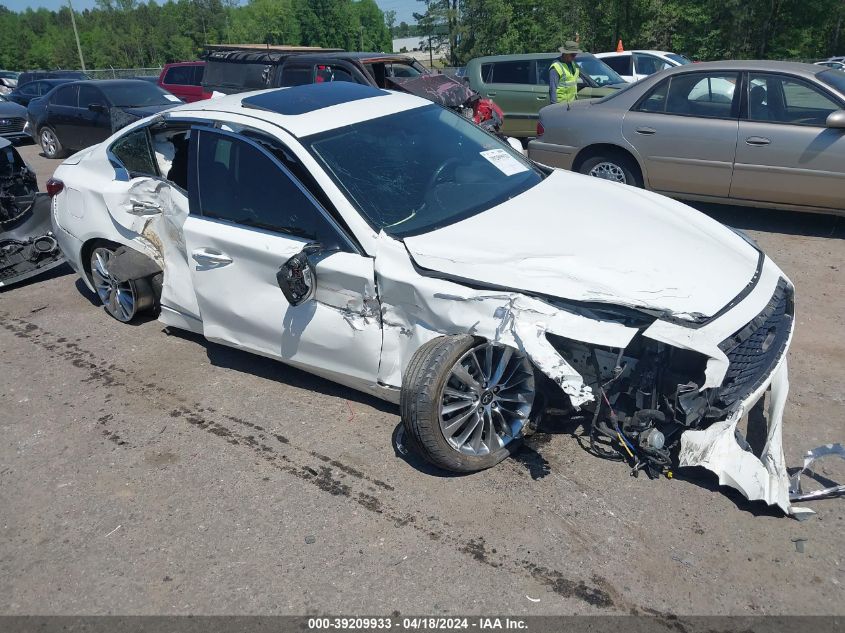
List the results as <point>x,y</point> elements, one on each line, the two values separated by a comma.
<point>504,162</point>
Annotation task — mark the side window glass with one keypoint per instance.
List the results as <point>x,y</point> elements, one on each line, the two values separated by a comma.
<point>656,99</point>
<point>512,72</point>
<point>543,66</point>
<point>622,64</point>
<point>787,100</point>
<point>332,73</point>
<point>65,96</point>
<point>487,73</point>
<point>179,75</point>
<point>199,71</point>
<point>296,75</point>
<point>134,152</point>
<point>697,94</point>
<point>89,95</point>
<point>241,184</point>
<point>648,64</point>
<point>30,90</point>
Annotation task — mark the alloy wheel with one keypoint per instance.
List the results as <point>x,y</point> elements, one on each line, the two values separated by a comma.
<point>609,171</point>
<point>486,399</point>
<point>49,142</point>
<point>118,297</point>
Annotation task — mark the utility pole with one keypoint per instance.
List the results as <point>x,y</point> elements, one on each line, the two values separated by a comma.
<point>76,35</point>
<point>362,39</point>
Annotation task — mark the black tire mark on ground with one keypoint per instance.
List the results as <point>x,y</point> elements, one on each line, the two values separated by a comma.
<point>319,475</point>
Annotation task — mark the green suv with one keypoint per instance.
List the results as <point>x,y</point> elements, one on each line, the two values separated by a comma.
<point>519,84</point>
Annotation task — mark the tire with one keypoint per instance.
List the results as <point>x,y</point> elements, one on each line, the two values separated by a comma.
<point>615,167</point>
<point>122,300</point>
<point>50,144</point>
<point>454,425</point>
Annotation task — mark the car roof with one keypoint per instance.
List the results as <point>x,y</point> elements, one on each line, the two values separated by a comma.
<point>108,82</point>
<point>360,56</point>
<point>194,63</point>
<point>521,57</point>
<point>750,64</point>
<point>308,109</point>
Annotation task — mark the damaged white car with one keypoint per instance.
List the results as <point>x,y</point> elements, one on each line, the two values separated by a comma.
<point>390,245</point>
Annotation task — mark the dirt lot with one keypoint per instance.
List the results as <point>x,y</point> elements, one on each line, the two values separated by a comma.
<point>147,472</point>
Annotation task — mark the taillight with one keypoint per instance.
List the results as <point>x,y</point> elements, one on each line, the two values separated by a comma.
<point>540,129</point>
<point>54,186</point>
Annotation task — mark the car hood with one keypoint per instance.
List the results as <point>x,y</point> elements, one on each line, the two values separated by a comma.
<point>584,239</point>
<point>11,109</point>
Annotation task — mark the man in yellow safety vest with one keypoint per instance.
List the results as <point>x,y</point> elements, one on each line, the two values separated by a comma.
<point>563,75</point>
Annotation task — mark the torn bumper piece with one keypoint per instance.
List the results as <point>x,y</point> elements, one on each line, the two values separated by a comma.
<point>796,492</point>
<point>27,245</point>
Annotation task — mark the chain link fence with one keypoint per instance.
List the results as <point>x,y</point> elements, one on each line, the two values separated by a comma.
<point>123,73</point>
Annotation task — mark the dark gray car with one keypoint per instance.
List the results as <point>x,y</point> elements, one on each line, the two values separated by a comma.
<point>757,133</point>
<point>12,120</point>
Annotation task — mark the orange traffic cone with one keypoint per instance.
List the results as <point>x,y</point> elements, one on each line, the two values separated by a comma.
<point>620,48</point>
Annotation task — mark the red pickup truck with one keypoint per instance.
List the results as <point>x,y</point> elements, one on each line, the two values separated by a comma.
<point>184,80</point>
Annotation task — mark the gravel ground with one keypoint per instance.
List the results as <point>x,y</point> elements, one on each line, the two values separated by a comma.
<point>147,472</point>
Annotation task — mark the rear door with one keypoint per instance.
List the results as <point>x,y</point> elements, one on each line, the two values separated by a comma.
<point>181,82</point>
<point>685,131</point>
<point>93,121</point>
<point>512,86</point>
<point>249,215</point>
<point>62,112</point>
<point>785,153</point>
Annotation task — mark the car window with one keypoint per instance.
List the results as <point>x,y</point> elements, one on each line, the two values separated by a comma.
<point>398,69</point>
<point>649,64</point>
<point>89,95</point>
<point>655,101</point>
<point>170,146</point>
<point>702,95</point>
<point>199,72</point>
<point>680,59</point>
<point>598,71</point>
<point>543,66</point>
<point>516,72</point>
<point>135,154</point>
<point>785,99</point>
<point>65,96</point>
<point>30,89</point>
<point>179,75</point>
<point>296,75</point>
<point>240,183</point>
<point>622,64</point>
<point>136,94</point>
<point>417,170</point>
<point>327,73</point>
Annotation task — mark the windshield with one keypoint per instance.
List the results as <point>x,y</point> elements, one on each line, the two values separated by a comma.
<point>834,78</point>
<point>136,94</point>
<point>600,72</point>
<point>680,59</point>
<point>415,171</point>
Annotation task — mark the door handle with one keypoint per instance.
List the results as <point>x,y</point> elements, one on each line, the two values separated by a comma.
<point>646,131</point>
<point>210,257</point>
<point>141,207</point>
<point>757,141</point>
<point>543,98</point>
<point>491,94</point>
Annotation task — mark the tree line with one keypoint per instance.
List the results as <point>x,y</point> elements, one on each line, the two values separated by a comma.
<point>129,33</point>
<point>701,29</point>
<point>132,34</point>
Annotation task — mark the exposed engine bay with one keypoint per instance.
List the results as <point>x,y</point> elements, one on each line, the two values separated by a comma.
<point>649,393</point>
<point>27,245</point>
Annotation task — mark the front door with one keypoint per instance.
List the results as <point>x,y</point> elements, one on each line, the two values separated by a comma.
<point>511,85</point>
<point>785,153</point>
<point>249,215</point>
<point>93,122</point>
<point>685,132</point>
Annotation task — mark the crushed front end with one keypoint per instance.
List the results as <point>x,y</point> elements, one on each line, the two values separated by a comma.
<point>656,407</point>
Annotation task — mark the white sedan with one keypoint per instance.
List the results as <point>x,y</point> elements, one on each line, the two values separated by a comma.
<point>385,243</point>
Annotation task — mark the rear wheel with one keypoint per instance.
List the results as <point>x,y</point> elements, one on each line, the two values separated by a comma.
<point>124,300</point>
<point>50,144</point>
<point>466,402</point>
<point>614,167</point>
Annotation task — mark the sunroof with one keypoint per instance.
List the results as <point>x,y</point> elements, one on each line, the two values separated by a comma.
<point>302,99</point>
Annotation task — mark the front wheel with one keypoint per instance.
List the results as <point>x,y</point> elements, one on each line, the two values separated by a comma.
<point>616,168</point>
<point>466,401</point>
<point>50,144</point>
<point>123,300</point>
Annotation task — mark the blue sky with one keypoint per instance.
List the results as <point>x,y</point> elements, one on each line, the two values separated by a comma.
<point>404,8</point>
